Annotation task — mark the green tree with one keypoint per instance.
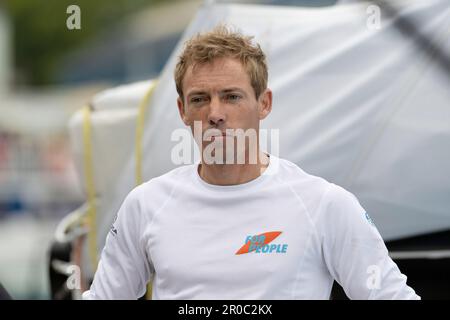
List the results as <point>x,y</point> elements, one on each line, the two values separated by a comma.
<point>41,37</point>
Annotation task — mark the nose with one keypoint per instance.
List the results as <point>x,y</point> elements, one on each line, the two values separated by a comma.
<point>216,116</point>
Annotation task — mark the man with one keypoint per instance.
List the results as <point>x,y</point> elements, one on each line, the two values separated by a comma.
<point>241,224</point>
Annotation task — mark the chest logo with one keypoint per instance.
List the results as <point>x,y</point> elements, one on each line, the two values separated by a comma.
<point>261,244</point>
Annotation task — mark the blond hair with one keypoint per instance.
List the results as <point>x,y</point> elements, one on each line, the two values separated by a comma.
<point>219,43</point>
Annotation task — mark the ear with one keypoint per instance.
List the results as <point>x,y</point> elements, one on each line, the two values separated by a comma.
<point>182,111</point>
<point>265,103</point>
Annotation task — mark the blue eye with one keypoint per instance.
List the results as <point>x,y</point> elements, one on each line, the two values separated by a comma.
<point>197,99</point>
<point>233,97</point>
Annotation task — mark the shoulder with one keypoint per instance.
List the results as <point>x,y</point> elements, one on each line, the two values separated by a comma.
<point>310,189</point>
<point>341,212</point>
<point>153,193</point>
<point>168,180</point>
<point>322,199</point>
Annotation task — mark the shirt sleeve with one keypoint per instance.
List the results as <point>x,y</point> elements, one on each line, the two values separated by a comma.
<point>355,253</point>
<point>124,267</point>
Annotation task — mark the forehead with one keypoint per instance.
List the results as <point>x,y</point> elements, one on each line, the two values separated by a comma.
<point>221,72</point>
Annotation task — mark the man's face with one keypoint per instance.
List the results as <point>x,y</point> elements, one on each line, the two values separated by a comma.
<point>220,96</point>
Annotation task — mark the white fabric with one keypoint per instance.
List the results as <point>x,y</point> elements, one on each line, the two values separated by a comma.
<point>113,131</point>
<point>113,121</point>
<point>185,233</point>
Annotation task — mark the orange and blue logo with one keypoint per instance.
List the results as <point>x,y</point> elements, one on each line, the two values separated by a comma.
<point>261,244</point>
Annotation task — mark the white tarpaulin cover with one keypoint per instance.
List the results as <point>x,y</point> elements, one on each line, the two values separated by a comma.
<point>366,108</point>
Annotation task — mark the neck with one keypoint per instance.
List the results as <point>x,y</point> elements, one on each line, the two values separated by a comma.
<point>232,174</point>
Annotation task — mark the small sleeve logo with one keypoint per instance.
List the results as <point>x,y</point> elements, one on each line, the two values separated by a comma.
<point>368,218</point>
<point>113,229</point>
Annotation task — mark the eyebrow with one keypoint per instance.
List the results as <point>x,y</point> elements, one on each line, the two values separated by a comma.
<point>196,92</point>
<point>233,89</point>
<point>227,90</point>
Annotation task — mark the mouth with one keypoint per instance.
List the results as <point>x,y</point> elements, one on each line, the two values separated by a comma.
<point>216,134</point>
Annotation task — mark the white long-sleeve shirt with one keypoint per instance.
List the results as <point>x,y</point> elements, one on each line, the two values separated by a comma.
<point>283,235</point>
